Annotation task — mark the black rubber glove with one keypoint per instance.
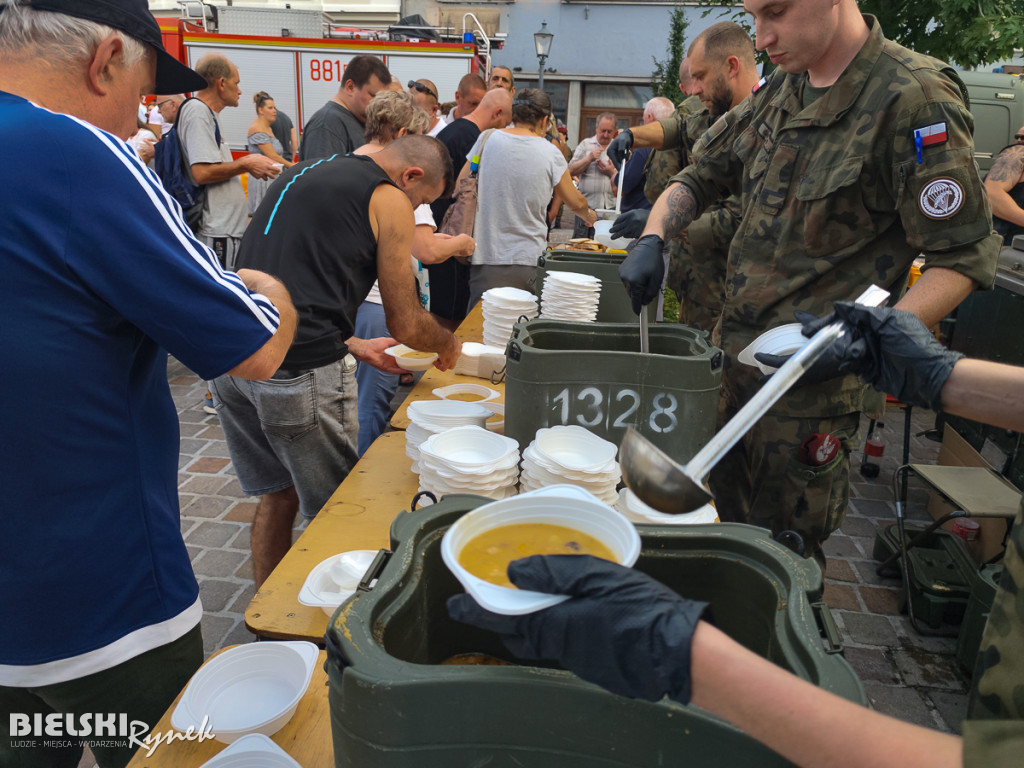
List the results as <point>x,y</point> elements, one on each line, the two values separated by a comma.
<point>889,349</point>
<point>828,366</point>
<point>618,150</point>
<point>630,224</point>
<point>643,270</point>
<point>621,630</point>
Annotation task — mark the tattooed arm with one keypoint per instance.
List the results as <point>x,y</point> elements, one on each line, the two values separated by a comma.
<point>1007,171</point>
<point>672,213</point>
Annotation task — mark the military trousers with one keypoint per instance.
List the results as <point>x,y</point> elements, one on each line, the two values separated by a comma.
<point>761,481</point>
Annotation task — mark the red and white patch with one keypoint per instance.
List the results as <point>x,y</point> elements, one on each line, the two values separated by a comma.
<point>941,198</point>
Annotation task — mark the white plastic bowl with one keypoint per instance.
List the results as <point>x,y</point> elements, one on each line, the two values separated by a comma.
<point>252,751</point>
<point>334,580</point>
<point>470,447</point>
<point>484,393</point>
<point>574,447</point>
<point>638,512</point>
<point>783,340</point>
<point>404,357</point>
<point>558,505</point>
<point>251,688</point>
<point>435,415</point>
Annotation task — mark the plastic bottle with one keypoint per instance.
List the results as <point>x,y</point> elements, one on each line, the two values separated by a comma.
<point>873,449</point>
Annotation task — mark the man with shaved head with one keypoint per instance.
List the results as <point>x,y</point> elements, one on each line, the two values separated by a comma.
<point>328,229</point>
<point>467,97</point>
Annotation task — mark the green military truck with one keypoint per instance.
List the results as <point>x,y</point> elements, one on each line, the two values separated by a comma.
<point>997,104</point>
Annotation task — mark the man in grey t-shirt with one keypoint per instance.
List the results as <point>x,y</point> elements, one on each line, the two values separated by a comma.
<point>225,213</point>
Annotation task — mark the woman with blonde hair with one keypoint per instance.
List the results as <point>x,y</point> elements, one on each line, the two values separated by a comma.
<point>262,141</point>
<point>390,116</point>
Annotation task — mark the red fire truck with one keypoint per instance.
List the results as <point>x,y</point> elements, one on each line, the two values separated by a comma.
<point>298,58</point>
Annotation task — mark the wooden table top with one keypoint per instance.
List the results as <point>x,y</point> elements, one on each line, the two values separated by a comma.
<point>306,736</point>
<point>357,516</point>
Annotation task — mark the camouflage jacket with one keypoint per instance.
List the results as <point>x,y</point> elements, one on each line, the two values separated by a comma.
<point>838,195</point>
<point>666,162</point>
<point>994,730</point>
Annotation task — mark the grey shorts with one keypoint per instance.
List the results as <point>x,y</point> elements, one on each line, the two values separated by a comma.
<point>299,428</point>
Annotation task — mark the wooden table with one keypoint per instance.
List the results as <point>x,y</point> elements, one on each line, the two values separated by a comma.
<point>306,737</point>
<point>357,516</point>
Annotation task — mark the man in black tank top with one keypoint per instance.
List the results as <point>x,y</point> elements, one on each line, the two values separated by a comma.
<point>1005,186</point>
<point>327,229</point>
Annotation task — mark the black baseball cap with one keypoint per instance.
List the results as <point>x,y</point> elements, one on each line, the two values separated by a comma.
<point>134,19</point>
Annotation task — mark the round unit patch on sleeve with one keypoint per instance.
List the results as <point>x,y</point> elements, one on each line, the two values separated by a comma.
<point>941,198</point>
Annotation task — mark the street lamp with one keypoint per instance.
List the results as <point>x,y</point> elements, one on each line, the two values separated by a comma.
<point>542,41</point>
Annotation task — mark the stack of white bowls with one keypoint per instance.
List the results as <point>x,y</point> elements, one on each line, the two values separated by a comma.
<point>570,296</point>
<point>502,307</point>
<point>430,417</point>
<point>639,513</point>
<point>574,455</point>
<point>469,460</point>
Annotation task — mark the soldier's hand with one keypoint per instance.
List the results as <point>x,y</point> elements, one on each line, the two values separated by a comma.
<point>643,270</point>
<point>630,224</point>
<point>621,629</point>
<point>618,150</point>
<point>828,366</point>
<point>893,351</point>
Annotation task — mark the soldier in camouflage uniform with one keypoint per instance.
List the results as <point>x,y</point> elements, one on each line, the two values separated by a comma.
<point>723,69</point>
<point>842,185</point>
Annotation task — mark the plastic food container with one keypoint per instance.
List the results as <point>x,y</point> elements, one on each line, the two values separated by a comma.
<point>473,393</point>
<point>639,513</point>
<point>411,359</point>
<point>565,505</point>
<point>334,580</point>
<point>251,688</point>
<point>783,340</point>
<point>575,447</point>
<point>252,751</point>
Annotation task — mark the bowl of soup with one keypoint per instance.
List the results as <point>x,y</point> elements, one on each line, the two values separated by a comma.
<point>411,359</point>
<point>559,519</point>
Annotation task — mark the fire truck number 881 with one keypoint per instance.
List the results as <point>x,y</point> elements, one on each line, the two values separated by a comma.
<point>326,70</point>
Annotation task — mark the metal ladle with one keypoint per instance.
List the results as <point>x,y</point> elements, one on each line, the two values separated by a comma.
<point>667,486</point>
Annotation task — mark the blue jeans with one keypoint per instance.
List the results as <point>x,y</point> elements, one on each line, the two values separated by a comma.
<point>376,388</point>
<point>298,428</point>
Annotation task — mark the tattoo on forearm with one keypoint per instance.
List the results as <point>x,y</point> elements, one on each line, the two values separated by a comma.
<point>1008,166</point>
<point>682,209</point>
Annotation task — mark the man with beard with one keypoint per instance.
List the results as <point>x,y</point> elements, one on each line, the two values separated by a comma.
<point>723,72</point>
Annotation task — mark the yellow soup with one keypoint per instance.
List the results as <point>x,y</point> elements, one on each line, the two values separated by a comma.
<point>487,556</point>
<point>466,397</point>
<point>415,354</point>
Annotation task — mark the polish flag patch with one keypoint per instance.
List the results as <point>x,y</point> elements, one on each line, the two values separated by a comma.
<point>931,135</point>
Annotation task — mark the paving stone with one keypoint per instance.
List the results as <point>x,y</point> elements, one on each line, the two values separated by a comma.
<point>206,506</point>
<point>839,570</point>
<point>242,512</point>
<point>240,541</point>
<point>865,545</point>
<point>218,563</point>
<point>881,599</point>
<point>903,703</point>
<point>239,635</point>
<point>192,416</point>
<point>840,546</point>
<point>871,664</point>
<point>212,534</point>
<point>190,430</point>
<point>245,571</point>
<point>873,508</point>
<point>233,489</point>
<point>216,448</point>
<point>840,597</point>
<point>208,465</point>
<point>185,380</point>
<point>952,708</point>
<point>854,525</point>
<point>214,630</point>
<point>868,629</point>
<point>217,594</point>
<point>212,432</point>
<point>911,638</point>
<point>875,491</point>
<point>183,460</point>
<point>207,485</point>
<point>868,574</point>
<point>240,603</point>
<point>928,670</point>
<point>193,552</point>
